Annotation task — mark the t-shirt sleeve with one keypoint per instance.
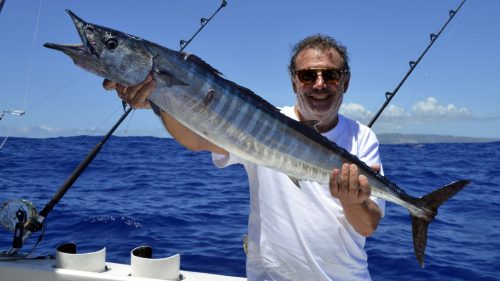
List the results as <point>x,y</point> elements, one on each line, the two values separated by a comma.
<point>224,160</point>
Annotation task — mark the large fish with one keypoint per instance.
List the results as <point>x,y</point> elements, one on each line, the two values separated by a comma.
<point>235,118</point>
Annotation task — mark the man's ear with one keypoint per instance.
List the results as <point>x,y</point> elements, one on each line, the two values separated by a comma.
<point>294,87</point>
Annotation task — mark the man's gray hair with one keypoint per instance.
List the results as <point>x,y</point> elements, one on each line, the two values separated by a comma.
<point>322,43</point>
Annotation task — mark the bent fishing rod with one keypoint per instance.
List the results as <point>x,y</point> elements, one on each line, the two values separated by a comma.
<point>413,64</point>
<point>38,222</point>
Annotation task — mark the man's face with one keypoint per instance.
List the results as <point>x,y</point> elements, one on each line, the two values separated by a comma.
<point>319,100</point>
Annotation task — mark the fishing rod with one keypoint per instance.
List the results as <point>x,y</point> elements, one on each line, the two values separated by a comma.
<point>1,4</point>
<point>36,223</point>
<point>413,64</point>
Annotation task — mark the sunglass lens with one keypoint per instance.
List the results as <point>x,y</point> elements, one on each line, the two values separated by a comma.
<point>331,75</point>
<point>307,75</point>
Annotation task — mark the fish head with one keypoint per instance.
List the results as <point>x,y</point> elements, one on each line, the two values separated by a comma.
<point>109,53</point>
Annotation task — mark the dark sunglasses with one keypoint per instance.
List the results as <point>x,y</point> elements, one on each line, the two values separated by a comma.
<point>309,75</point>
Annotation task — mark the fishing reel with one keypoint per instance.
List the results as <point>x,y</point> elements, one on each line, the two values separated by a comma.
<point>19,216</point>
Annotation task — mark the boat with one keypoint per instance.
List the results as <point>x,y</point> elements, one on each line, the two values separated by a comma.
<point>20,216</point>
<point>45,270</point>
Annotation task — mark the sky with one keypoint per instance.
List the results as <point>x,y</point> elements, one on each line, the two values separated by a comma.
<point>455,90</point>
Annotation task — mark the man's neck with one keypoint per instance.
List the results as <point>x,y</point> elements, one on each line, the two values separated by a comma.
<point>321,127</point>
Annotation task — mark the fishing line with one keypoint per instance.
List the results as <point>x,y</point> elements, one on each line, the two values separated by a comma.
<point>10,112</point>
<point>406,112</point>
<point>30,66</point>
<point>39,221</point>
<point>429,70</point>
<point>3,142</point>
<point>433,37</point>
<point>129,123</point>
<point>54,92</point>
<point>25,256</point>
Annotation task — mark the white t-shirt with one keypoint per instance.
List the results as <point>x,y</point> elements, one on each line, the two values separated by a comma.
<point>302,234</point>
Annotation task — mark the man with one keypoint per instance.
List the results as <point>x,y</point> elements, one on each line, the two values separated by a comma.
<point>316,232</point>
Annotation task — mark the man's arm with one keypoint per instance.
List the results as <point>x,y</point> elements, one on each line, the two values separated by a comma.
<point>137,97</point>
<point>353,191</point>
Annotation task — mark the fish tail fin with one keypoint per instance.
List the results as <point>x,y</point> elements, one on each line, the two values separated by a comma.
<point>431,202</point>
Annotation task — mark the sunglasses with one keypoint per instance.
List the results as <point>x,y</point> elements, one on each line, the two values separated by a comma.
<point>309,75</point>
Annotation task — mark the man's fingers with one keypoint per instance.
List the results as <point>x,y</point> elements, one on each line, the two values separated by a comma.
<point>365,189</point>
<point>344,179</point>
<point>334,182</point>
<point>348,185</point>
<point>353,177</point>
<point>108,85</point>
<point>353,180</point>
<point>140,98</point>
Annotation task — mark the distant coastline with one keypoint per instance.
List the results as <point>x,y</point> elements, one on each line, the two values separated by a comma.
<point>414,138</point>
<point>383,138</point>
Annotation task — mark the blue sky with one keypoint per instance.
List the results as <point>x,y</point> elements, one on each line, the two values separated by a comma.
<point>453,91</point>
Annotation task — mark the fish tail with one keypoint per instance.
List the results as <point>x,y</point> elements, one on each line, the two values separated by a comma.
<point>431,202</point>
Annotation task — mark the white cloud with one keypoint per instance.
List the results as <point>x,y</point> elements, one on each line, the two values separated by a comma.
<point>363,115</point>
<point>355,111</point>
<point>426,110</point>
<point>393,111</point>
<point>49,130</point>
<point>430,109</point>
<point>392,118</point>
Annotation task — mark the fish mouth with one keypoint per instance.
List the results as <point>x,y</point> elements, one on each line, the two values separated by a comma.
<point>83,55</point>
<point>73,50</point>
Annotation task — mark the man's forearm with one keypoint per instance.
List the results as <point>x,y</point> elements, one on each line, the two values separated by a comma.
<point>364,217</point>
<point>186,137</point>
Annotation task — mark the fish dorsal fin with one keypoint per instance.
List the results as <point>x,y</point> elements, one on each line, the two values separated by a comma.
<point>200,62</point>
<point>311,123</point>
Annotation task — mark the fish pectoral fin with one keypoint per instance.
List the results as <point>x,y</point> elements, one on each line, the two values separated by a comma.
<point>167,76</point>
<point>295,182</point>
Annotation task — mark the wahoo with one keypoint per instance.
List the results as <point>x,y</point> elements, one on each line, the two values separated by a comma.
<point>235,118</point>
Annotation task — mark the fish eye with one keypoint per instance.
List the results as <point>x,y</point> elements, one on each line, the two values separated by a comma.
<point>111,43</point>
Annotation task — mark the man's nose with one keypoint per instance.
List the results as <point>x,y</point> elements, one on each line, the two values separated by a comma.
<point>320,82</point>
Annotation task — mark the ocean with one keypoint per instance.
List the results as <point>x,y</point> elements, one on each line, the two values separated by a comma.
<point>151,191</point>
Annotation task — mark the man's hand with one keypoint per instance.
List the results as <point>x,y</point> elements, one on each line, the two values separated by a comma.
<point>348,186</point>
<point>353,191</point>
<point>136,96</point>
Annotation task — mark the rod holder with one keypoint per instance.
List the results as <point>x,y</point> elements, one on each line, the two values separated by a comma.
<point>68,258</point>
<point>144,265</point>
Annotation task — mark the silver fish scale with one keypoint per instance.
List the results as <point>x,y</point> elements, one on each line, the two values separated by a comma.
<point>229,120</point>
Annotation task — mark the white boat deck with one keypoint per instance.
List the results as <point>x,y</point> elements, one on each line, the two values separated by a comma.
<point>45,270</point>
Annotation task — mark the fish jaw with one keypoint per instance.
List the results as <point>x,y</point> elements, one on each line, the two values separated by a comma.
<point>80,56</point>
<point>83,29</point>
<point>108,53</point>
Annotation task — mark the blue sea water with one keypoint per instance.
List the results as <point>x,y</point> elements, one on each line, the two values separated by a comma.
<point>151,191</point>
